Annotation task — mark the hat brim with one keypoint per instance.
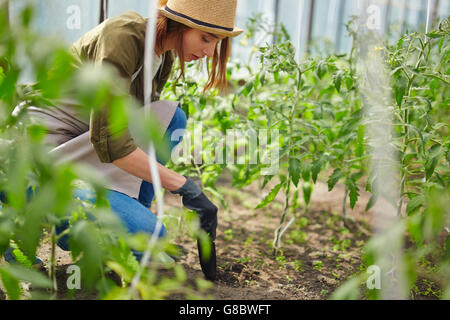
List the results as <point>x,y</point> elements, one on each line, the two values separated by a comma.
<point>215,30</point>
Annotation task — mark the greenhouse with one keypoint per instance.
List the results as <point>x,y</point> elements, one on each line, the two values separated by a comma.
<point>252,150</point>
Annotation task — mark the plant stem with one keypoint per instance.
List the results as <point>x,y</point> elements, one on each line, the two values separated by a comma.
<point>199,173</point>
<point>52,268</point>
<point>403,180</point>
<point>344,210</point>
<point>288,189</point>
<point>283,217</point>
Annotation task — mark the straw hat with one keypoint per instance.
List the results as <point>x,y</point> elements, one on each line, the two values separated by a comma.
<point>214,16</point>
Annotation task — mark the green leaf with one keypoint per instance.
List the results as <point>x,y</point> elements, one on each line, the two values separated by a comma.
<point>415,228</point>
<point>430,165</point>
<point>276,76</point>
<point>321,69</point>
<point>400,44</point>
<point>373,199</point>
<point>414,204</point>
<point>306,171</point>
<point>248,88</point>
<point>349,82</point>
<point>338,80</point>
<point>359,151</point>
<point>146,127</point>
<point>419,133</point>
<point>167,284</point>
<point>22,273</point>
<point>399,91</point>
<point>334,178</point>
<point>267,178</point>
<point>307,191</point>
<point>10,284</point>
<point>21,258</point>
<point>37,132</point>
<point>85,246</point>
<point>204,243</point>
<point>353,193</point>
<point>317,165</point>
<point>118,294</point>
<point>217,195</point>
<point>435,34</point>
<point>441,42</point>
<point>294,170</point>
<point>256,82</point>
<point>262,78</point>
<point>270,197</point>
<point>349,290</point>
<point>180,273</point>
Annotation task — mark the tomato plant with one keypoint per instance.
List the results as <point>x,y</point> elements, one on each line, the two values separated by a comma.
<point>285,122</point>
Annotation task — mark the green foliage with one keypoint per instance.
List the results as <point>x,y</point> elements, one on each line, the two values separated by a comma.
<point>419,71</point>
<point>314,104</point>
<point>39,191</point>
<point>419,63</point>
<point>270,197</point>
<point>317,107</point>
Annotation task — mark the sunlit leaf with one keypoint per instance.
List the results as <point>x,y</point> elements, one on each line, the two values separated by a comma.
<point>415,203</point>
<point>334,178</point>
<point>294,170</point>
<point>270,197</point>
<point>307,189</point>
<point>11,284</point>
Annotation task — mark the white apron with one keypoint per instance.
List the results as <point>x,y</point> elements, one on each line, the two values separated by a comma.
<point>80,149</point>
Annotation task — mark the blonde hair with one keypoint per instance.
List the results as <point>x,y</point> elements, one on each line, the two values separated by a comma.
<point>166,27</point>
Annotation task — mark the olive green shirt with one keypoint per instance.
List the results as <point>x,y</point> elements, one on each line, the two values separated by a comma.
<point>119,41</point>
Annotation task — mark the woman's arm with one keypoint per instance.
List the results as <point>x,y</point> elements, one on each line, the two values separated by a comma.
<point>137,163</point>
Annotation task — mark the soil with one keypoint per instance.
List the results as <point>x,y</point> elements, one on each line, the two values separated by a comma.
<point>317,254</point>
<point>306,266</point>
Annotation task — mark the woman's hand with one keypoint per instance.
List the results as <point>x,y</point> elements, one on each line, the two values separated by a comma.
<point>137,164</point>
<point>195,199</point>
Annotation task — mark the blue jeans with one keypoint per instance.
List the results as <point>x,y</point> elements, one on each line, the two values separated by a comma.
<point>173,136</point>
<point>133,213</point>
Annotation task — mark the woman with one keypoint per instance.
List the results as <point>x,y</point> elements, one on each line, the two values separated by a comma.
<point>190,29</point>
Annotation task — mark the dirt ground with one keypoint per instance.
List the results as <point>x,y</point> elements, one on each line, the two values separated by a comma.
<point>317,253</point>
<point>306,267</point>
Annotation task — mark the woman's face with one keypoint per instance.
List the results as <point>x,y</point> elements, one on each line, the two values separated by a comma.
<point>198,44</point>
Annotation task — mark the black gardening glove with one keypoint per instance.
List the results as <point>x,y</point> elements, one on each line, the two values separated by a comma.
<point>195,199</point>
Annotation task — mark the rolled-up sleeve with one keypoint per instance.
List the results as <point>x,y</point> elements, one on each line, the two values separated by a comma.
<point>108,145</point>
